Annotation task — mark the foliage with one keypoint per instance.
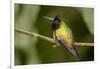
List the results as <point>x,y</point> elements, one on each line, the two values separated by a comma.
<point>33,51</point>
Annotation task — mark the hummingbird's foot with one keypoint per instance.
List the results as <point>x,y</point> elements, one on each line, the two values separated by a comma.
<point>57,43</point>
<point>54,46</point>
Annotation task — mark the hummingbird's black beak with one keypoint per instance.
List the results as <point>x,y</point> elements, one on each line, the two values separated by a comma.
<point>49,18</point>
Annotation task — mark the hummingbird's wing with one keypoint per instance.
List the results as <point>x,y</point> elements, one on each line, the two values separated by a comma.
<point>54,35</point>
<point>55,38</point>
<point>71,49</point>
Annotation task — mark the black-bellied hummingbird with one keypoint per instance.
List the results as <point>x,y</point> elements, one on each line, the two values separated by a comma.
<point>62,35</point>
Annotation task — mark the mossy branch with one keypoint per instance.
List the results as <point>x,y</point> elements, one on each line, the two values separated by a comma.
<point>49,39</point>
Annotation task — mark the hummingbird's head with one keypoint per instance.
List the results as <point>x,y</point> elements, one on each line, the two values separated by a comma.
<point>56,22</point>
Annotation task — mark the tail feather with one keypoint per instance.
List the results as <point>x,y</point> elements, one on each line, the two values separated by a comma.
<point>71,50</point>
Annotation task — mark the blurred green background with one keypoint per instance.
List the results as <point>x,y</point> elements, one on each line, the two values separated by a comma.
<point>29,50</point>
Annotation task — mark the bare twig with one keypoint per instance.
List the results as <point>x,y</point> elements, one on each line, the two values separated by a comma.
<point>83,44</point>
<point>49,39</point>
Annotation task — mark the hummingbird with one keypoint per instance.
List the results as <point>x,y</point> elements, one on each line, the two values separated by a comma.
<point>62,36</point>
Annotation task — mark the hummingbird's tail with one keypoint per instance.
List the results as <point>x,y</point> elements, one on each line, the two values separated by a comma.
<point>71,50</point>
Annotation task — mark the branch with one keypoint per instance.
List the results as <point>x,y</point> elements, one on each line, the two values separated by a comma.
<point>49,39</point>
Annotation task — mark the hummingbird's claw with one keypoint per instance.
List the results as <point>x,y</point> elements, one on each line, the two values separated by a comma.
<point>57,43</point>
<point>54,46</point>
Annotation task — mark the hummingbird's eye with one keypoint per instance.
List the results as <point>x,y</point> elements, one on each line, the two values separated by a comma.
<point>58,18</point>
